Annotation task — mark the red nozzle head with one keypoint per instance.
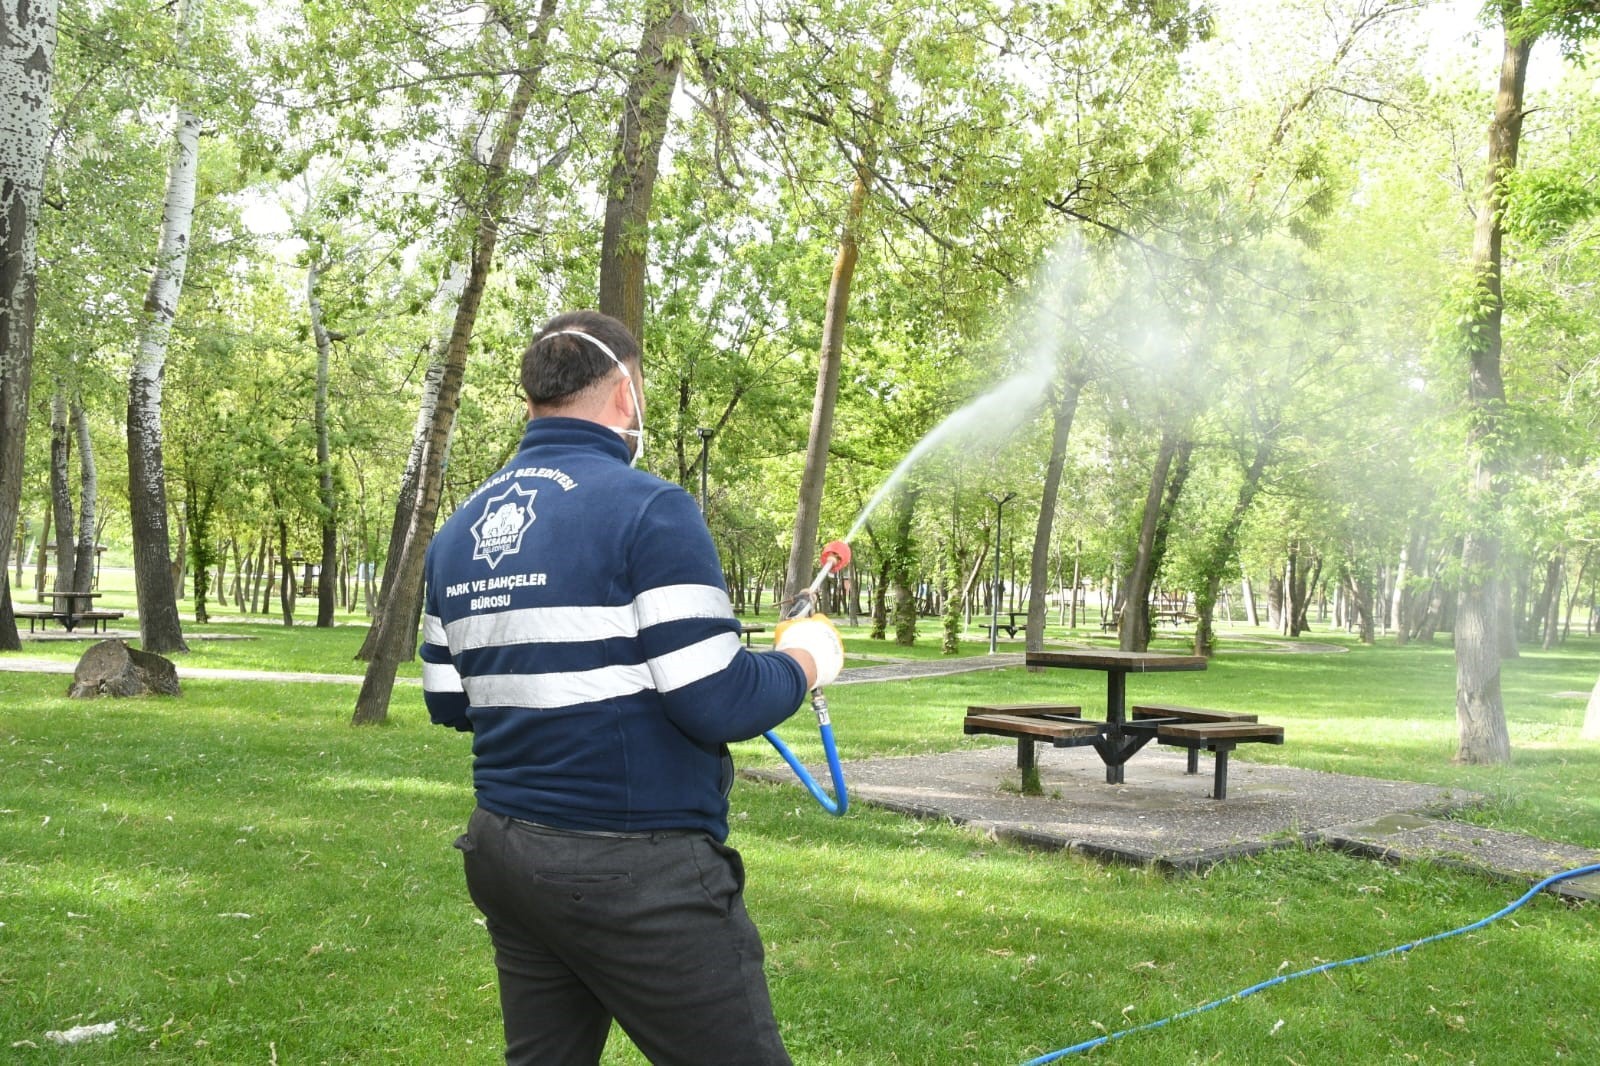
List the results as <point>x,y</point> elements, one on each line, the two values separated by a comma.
<point>838,551</point>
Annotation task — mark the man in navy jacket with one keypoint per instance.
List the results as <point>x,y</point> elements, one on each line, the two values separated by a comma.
<point>577,624</point>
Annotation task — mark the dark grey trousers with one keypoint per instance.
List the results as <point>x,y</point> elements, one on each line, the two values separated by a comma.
<point>648,929</point>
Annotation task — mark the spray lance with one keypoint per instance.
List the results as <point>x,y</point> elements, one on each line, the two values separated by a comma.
<point>835,557</point>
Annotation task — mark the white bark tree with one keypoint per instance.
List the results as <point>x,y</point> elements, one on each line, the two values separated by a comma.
<point>88,500</point>
<point>329,518</point>
<point>160,629</point>
<point>27,57</point>
<point>446,298</point>
<point>395,627</point>
<point>61,489</point>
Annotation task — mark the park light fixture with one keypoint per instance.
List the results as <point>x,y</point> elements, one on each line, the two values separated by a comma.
<point>705,444</point>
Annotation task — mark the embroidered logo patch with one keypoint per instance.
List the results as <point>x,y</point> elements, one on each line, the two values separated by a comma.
<point>506,517</point>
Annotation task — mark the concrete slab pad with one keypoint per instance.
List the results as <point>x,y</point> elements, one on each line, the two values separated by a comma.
<point>1162,816</point>
<point>1493,852</point>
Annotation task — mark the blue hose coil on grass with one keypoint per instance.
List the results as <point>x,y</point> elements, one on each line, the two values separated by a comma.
<point>1087,1045</point>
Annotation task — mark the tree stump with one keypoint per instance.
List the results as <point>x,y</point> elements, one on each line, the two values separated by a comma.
<point>111,668</point>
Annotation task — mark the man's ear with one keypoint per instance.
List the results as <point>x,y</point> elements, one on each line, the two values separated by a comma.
<point>622,396</point>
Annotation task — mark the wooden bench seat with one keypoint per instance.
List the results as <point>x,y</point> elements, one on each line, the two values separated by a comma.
<point>1219,738</point>
<point>37,615</point>
<point>1026,723</point>
<point>1188,714</point>
<point>34,615</point>
<point>98,618</point>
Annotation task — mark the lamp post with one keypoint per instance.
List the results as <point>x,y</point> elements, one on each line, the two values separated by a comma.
<point>994,620</point>
<point>705,443</point>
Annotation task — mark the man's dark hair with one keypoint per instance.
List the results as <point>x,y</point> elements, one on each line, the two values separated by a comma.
<point>556,368</point>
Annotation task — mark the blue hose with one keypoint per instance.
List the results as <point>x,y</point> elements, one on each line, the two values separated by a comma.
<point>834,806</point>
<point>1582,871</point>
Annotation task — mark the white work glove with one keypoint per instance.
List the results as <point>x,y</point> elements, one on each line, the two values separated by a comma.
<point>816,636</point>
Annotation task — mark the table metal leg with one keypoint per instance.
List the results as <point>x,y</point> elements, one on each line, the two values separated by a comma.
<point>1116,703</point>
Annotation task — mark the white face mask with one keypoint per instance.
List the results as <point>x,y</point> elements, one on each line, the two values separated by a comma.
<point>637,433</point>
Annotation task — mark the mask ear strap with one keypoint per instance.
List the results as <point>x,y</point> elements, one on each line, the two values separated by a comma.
<point>598,343</point>
<point>604,349</point>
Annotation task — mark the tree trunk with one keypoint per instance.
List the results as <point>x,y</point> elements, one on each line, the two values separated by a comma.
<point>61,489</point>
<point>286,577</point>
<point>1359,596</point>
<point>1221,548</point>
<point>27,57</point>
<point>903,555</point>
<point>1400,605</point>
<point>41,555</point>
<point>808,510</point>
<point>180,559</point>
<point>1552,614</point>
<point>266,574</point>
<point>1134,634</point>
<point>201,548</point>
<point>160,629</point>
<point>1305,589</point>
<point>646,109</point>
<point>220,581</point>
<point>328,517</point>
<point>954,565</point>
<point>1480,709</point>
<point>1577,590</point>
<point>446,293</point>
<point>87,553</point>
<point>880,598</point>
<point>813,475</point>
<point>1039,563</point>
<point>395,626</point>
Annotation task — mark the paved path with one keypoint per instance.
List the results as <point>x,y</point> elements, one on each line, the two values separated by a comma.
<point>18,664</point>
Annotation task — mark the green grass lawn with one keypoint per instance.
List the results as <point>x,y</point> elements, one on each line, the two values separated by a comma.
<point>239,876</point>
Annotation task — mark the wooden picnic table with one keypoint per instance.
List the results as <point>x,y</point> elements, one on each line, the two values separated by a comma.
<point>1117,740</point>
<point>1012,625</point>
<point>68,608</point>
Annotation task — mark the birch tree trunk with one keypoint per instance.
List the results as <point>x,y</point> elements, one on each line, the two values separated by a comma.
<point>1480,709</point>
<point>446,297</point>
<point>160,629</point>
<point>1039,563</point>
<point>61,489</point>
<point>86,554</point>
<point>395,626</point>
<point>27,57</point>
<point>646,109</point>
<point>329,517</point>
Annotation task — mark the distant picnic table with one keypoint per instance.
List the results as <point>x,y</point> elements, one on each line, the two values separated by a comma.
<point>70,609</point>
